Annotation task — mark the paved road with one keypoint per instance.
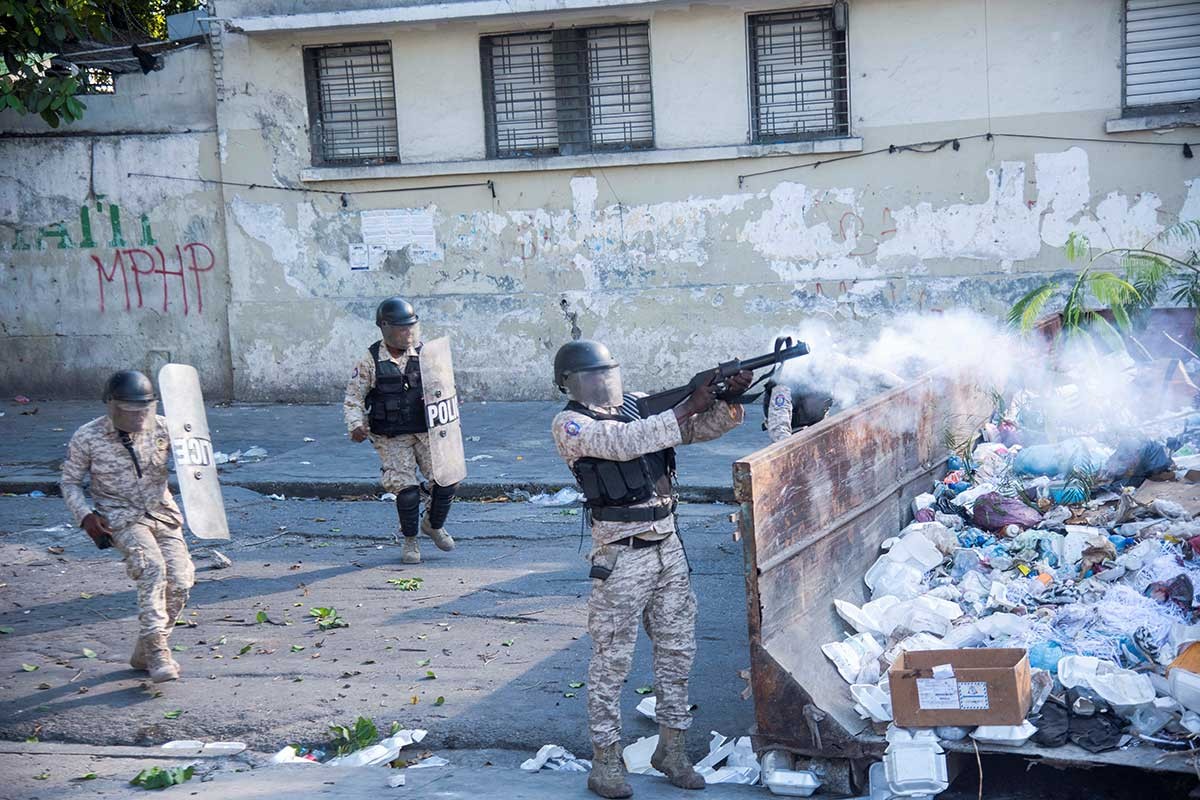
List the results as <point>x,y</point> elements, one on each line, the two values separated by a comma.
<point>500,621</point>
<point>508,445</point>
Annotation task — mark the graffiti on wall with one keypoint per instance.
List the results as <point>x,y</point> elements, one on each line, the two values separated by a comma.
<point>137,268</point>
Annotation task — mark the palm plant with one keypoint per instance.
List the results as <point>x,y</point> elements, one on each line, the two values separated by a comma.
<point>1148,274</point>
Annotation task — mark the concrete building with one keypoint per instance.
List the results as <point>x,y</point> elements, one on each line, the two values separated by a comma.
<point>683,180</point>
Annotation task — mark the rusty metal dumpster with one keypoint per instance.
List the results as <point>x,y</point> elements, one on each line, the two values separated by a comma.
<point>814,510</point>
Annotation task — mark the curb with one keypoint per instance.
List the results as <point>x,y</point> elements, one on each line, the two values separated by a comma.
<point>335,490</point>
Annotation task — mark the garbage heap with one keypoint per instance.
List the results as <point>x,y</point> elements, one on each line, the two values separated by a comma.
<point>1083,551</point>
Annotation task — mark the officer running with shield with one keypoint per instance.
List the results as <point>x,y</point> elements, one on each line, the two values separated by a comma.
<point>397,392</point>
<point>625,466</point>
<point>124,454</point>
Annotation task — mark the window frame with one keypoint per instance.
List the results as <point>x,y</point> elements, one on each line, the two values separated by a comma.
<point>559,34</point>
<point>1145,110</point>
<point>755,137</point>
<point>316,124</point>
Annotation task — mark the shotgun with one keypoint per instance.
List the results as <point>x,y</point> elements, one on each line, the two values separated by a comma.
<point>665,400</point>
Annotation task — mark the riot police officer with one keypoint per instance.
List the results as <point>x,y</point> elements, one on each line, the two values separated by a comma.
<point>625,467</point>
<point>124,454</point>
<point>384,403</point>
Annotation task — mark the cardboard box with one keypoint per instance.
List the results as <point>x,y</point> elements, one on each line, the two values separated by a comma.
<point>984,686</point>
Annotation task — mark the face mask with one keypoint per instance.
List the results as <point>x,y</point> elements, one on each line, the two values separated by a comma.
<point>401,337</point>
<point>131,417</point>
<point>599,388</point>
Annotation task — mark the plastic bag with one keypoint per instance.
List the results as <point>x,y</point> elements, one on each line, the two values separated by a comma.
<point>993,511</point>
<point>853,656</point>
<point>899,579</point>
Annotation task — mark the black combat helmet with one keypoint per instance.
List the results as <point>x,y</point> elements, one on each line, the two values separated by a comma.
<point>581,355</point>
<point>395,311</point>
<point>129,386</point>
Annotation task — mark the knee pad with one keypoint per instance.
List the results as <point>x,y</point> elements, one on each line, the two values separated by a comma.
<point>408,507</point>
<point>439,504</point>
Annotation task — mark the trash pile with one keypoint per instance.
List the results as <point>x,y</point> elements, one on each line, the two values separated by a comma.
<point>1081,552</point>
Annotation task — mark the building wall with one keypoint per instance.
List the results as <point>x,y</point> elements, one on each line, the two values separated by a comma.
<point>675,257</point>
<point>103,269</point>
<point>675,265</point>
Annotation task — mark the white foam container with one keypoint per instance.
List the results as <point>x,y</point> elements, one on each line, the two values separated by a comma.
<point>790,782</point>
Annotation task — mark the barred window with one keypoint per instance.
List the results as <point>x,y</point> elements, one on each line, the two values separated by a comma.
<point>1162,53</point>
<point>569,91</point>
<point>799,83</point>
<point>352,104</point>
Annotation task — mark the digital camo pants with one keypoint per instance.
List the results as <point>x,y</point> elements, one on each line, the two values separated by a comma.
<point>651,583</point>
<point>399,457</point>
<point>157,559</point>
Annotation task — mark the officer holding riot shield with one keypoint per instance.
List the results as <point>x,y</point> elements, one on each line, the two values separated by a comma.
<point>124,454</point>
<point>401,397</point>
<point>625,466</point>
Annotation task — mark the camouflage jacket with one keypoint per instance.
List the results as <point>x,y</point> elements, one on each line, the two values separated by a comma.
<point>779,413</point>
<point>579,436</point>
<point>96,453</point>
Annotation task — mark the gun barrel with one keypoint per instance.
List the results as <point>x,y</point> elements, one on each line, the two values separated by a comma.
<point>777,357</point>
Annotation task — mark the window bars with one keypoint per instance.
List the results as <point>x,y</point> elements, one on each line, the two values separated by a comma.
<point>798,76</point>
<point>568,91</point>
<point>1162,52</point>
<point>352,104</point>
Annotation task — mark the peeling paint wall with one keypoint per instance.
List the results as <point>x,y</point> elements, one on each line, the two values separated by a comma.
<point>102,267</point>
<point>675,265</point>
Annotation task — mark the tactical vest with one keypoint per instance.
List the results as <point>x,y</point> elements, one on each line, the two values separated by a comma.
<point>610,487</point>
<point>395,404</point>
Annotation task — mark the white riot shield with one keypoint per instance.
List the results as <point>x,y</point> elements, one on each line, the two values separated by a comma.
<point>183,406</point>
<point>441,413</point>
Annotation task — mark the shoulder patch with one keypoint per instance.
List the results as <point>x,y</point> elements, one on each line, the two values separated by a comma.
<point>780,401</point>
<point>571,428</point>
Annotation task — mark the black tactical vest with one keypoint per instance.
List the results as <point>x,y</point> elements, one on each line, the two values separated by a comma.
<point>395,404</point>
<point>609,487</point>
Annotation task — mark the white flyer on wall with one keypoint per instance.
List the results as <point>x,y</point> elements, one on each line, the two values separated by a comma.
<point>365,257</point>
<point>410,229</point>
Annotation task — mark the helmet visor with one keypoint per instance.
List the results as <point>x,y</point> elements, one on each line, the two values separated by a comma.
<point>401,337</point>
<point>131,417</point>
<point>600,388</point>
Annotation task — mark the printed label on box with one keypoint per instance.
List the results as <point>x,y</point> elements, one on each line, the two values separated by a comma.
<point>973,696</point>
<point>937,693</point>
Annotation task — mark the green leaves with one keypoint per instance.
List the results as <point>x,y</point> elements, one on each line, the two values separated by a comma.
<point>296,648</point>
<point>349,738</point>
<point>1028,310</point>
<point>30,667</point>
<point>406,584</point>
<point>439,701</point>
<point>159,778</point>
<point>645,690</point>
<point>246,649</point>
<point>1077,246</point>
<point>176,714</point>
<point>327,618</point>
<point>261,617</point>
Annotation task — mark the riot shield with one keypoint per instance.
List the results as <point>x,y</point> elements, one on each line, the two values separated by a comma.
<point>183,406</point>
<point>441,412</point>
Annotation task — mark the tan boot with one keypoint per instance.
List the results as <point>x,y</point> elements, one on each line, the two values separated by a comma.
<point>607,777</point>
<point>670,758</point>
<point>443,540</point>
<point>159,663</point>
<point>410,550</point>
<point>138,659</point>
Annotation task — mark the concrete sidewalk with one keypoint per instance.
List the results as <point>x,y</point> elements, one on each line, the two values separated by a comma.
<point>508,447</point>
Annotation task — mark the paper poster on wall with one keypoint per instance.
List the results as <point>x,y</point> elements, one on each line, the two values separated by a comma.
<point>409,229</point>
<point>365,257</point>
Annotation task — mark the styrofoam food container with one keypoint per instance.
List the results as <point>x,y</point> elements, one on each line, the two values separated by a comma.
<point>791,782</point>
<point>1004,735</point>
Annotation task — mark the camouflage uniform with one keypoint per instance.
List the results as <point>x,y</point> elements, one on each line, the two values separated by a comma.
<point>145,521</point>
<point>650,582</point>
<point>400,456</point>
<point>779,413</point>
